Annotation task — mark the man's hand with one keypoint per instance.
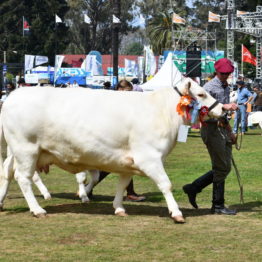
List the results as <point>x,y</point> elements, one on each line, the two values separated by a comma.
<point>230,107</point>
<point>233,138</point>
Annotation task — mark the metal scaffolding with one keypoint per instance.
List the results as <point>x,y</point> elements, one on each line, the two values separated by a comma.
<point>250,24</point>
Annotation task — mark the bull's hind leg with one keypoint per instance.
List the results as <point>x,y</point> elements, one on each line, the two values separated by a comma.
<point>26,166</point>
<point>6,178</point>
<point>155,170</point>
<point>124,180</point>
<point>81,178</point>
<point>41,187</point>
<point>94,180</point>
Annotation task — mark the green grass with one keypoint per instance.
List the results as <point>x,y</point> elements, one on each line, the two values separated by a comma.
<point>90,232</point>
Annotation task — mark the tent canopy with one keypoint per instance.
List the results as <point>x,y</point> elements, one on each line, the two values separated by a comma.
<point>167,76</point>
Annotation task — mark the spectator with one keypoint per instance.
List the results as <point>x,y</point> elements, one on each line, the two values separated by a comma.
<point>10,87</point>
<point>21,82</point>
<point>107,85</point>
<point>68,84</point>
<point>258,99</point>
<point>244,96</point>
<point>75,84</point>
<point>136,86</point>
<point>124,85</point>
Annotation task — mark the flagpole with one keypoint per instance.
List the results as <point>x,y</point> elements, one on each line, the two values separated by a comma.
<point>55,37</point>
<point>23,51</point>
<point>23,26</point>
<point>242,66</point>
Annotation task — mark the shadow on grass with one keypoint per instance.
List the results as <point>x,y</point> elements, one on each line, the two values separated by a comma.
<point>248,207</point>
<point>95,208</point>
<point>150,197</point>
<point>98,207</point>
<point>252,134</point>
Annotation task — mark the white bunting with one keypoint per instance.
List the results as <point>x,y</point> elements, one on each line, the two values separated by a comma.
<point>58,19</point>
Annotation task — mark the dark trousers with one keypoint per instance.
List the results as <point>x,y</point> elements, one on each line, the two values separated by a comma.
<point>219,147</point>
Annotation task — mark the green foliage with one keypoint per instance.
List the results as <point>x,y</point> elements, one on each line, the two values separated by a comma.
<point>160,32</point>
<point>9,77</point>
<point>48,38</point>
<point>43,38</point>
<point>97,35</point>
<point>134,49</point>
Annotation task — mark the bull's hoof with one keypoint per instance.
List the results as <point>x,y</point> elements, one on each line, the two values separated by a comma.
<point>44,215</point>
<point>85,200</point>
<point>47,197</point>
<point>1,209</point>
<point>122,214</point>
<point>179,219</point>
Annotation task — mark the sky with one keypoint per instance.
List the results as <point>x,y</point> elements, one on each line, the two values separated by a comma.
<point>140,21</point>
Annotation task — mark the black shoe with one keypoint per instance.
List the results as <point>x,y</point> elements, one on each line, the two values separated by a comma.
<point>191,193</point>
<point>222,210</point>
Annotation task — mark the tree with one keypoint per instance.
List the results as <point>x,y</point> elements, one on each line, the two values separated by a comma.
<point>97,35</point>
<point>134,49</point>
<point>41,17</point>
<point>159,23</point>
<point>160,32</point>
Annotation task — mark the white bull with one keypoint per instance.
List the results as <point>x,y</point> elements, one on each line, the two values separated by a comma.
<point>121,132</point>
<point>255,118</point>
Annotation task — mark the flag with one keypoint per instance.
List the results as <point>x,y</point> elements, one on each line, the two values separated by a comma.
<point>58,19</point>
<point>239,13</point>
<point>29,62</point>
<point>58,63</point>
<point>176,19</point>
<point>116,20</point>
<point>26,27</point>
<point>87,19</point>
<point>248,57</point>
<point>213,17</point>
<point>150,61</point>
<point>93,65</point>
<point>130,68</point>
<point>39,60</point>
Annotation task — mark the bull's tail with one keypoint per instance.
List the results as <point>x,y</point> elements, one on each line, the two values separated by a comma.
<point>2,146</point>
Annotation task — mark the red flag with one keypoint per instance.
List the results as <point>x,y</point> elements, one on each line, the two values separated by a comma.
<point>248,57</point>
<point>26,27</point>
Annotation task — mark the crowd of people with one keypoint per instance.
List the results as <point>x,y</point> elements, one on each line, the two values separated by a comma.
<point>248,100</point>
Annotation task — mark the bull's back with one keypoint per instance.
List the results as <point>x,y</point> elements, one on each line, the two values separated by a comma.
<point>84,123</point>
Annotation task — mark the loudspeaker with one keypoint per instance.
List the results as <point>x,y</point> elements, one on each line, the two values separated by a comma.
<point>193,63</point>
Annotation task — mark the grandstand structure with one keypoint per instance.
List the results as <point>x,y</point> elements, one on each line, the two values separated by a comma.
<point>249,23</point>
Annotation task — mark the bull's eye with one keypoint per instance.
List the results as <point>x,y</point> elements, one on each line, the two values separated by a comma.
<point>201,95</point>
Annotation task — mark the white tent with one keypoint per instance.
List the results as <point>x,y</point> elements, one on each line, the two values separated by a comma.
<point>167,76</point>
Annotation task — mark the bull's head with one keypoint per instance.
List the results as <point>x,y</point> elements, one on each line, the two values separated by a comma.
<point>191,88</point>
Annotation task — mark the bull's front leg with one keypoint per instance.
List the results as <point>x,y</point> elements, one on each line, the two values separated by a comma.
<point>124,181</point>
<point>24,180</point>
<point>155,170</point>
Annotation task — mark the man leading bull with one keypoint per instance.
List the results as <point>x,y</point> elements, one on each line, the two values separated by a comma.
<point>218,138</point>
